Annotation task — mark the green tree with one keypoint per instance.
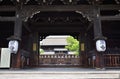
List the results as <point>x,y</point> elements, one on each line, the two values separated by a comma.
<point>41,51</point>
<point>73,45</point>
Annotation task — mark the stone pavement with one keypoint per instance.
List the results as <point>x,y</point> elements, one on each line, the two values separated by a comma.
<point>59,73</point>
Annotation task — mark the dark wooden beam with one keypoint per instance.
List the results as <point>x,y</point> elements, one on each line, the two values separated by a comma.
<point>60,7</point>
<point>18,27</point>
<point>58,23</point>
<point>71,7</point>
<point>57,29</point>
<point>26,25</point>
<point>60,31</point>
<point>109,7</point>
<point>7,8</point>
<point>89,26</point>
<point>7,18</point>
<point>98,35</point>
<point>17,36</point>
<point>110,18</point>
<point>97,22</point>
<point>102,18</point>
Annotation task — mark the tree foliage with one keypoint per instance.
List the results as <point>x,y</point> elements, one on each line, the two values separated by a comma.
<point>73,45</point>
<point>41,51</point>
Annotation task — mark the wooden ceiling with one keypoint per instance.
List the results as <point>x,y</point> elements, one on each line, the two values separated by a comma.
<point>62,16</point>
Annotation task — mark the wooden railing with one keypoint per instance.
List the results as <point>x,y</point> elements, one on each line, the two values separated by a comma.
<point>112,60</point>
<point>58,59</point>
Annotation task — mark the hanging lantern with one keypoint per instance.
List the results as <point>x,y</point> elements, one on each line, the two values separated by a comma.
<point>13,46</point>
<point>100,45</point>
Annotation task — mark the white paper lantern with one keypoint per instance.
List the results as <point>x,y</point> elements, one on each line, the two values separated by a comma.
<point>100,45</point>
<point>13,45</point>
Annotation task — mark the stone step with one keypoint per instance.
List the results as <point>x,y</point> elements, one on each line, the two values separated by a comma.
<point>59,74</point>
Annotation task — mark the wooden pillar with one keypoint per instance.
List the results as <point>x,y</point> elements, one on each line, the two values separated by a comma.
<point>98,35</point>
<point>82,49</point>
<point>82,42</point>
<point>35,53</point>
<point>16,58</point>
<point>97,22</point>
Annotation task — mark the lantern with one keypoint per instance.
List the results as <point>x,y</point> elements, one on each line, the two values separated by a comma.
<point>100,45</point>
<point>13,45</point>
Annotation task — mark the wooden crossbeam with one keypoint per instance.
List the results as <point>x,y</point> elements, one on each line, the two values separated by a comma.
<point>60,7</point>
<point>7,8</point>
<point>102,18</point>
<point>72,7</point>
<point>110,18</point>
<point>7,18</point>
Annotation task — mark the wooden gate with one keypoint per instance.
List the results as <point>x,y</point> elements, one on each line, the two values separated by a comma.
<point>59,60</point>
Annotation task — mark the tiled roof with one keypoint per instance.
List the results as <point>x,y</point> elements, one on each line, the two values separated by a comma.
<point>54,40</point>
